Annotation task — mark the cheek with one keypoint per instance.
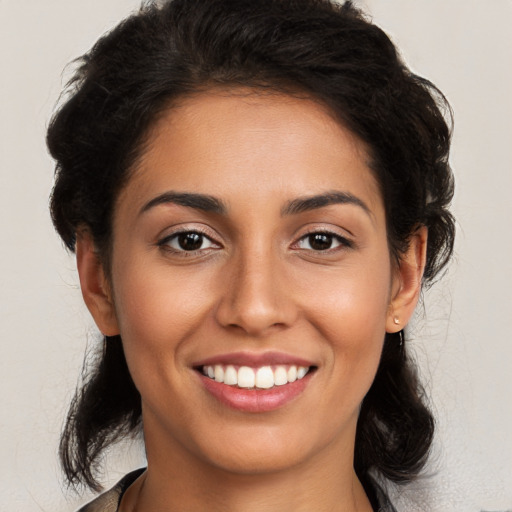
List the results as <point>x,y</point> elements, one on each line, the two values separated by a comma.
<point>157,311</point>
<point>350,312</point>
<point>352,305</point>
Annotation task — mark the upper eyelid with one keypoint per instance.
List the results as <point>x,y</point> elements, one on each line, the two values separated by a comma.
<point>345,241</point>
<point>177,230</point>
<point>163,243</point>
<point>170,236</point>
<point>337,232</point>
<point>215,238</point>
<point>338,237</point>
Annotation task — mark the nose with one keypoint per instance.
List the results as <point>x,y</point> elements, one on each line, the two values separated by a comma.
<point>256,297</point>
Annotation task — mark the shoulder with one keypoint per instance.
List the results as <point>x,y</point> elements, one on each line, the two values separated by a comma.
<point>109,500</point>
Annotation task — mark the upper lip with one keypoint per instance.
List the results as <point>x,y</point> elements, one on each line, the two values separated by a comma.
<point>254,360</point>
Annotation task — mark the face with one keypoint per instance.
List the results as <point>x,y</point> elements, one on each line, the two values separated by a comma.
<point>251,282</point>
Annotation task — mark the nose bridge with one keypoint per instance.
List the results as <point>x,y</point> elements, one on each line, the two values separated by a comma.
<point>253,299</point>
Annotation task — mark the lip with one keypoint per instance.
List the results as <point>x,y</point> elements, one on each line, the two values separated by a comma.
<point>254,360</point>
<point>254,400</point>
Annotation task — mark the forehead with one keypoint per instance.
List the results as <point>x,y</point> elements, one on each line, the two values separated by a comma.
<point>251,145</point>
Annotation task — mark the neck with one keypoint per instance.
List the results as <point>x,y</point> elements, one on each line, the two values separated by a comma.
<point>251,494</point>
<point>323,483</point>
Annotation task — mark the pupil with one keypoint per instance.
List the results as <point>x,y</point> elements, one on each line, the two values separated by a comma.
<point>320,241</point>
<point>190,241</point>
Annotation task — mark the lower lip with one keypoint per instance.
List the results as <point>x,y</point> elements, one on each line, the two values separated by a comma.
<point>255,400</point>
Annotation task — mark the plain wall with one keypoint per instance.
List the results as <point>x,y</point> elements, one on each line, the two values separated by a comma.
<point>462,336</point>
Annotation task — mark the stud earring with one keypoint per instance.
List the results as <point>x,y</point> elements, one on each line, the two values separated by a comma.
<point>396,320</point>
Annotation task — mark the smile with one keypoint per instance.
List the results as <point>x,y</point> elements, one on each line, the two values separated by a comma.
<point>263,377</point>
<point>255,383</point>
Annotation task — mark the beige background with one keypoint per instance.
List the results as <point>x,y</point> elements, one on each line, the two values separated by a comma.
<point>463,334</point>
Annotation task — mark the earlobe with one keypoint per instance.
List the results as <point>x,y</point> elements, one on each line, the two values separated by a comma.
<point>406,285</point>
<point>94,284</point>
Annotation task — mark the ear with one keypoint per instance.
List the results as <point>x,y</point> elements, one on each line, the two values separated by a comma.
<point>95,287</point>
<point>406,286</point>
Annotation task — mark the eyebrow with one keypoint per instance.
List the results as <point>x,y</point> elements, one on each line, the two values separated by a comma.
<point>304,204</point>
<point>202,202</point>
<point>212,204</point>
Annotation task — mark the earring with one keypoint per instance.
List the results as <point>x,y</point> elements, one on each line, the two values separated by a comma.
<point>396,320</point>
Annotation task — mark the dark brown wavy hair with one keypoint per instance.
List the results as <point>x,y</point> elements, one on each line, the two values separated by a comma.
<point>318,48</point>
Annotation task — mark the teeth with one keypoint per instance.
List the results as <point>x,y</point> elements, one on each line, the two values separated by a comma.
<point>280,376</point>
<point>246,377</point>
<point>231,376</point>
<point>301,371</point>
<point>218,372</point>
<point>264,377</point>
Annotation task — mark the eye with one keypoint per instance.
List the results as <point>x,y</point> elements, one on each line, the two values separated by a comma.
<point>187,241</point>
<point>321,241</point>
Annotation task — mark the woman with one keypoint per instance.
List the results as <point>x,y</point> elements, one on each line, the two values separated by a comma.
<point>256,192</point>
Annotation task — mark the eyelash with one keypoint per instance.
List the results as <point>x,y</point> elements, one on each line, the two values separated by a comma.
<point>344,243</point>
<point>165,243</point>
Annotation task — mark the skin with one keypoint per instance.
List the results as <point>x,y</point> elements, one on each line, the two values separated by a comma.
<point>255,285</point>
